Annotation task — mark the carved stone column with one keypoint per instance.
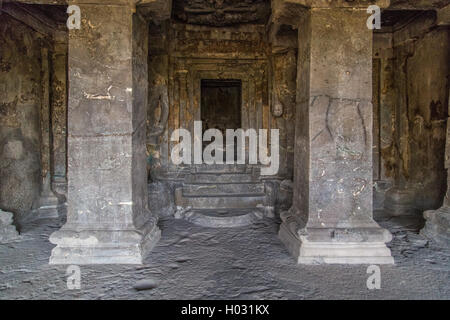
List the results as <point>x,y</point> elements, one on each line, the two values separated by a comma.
<point>59,117</point>
<point>331,217</point>
<point>108,220</point>
<point>437,226</point>
<point>46,205</point>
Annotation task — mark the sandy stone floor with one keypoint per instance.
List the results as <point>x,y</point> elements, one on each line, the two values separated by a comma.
<point>192,262</point>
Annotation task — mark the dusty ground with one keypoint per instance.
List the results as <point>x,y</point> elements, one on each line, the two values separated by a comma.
<point>192,262</point>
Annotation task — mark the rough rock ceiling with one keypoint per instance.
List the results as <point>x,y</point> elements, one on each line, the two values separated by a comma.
<point>56,13</point>
<point>220,13</point>
<point>418,4</point>
<point>392,18</point>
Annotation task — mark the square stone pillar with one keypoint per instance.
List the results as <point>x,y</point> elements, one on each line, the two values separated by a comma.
<point>108,221</point>
<point>437,227</point>
<point>331,217</point>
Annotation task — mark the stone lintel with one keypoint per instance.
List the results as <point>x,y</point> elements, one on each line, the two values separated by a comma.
<point>340,3</point>
<point>416,4</point>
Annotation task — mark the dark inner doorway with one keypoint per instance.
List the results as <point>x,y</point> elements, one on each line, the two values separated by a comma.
<point>221,105</point>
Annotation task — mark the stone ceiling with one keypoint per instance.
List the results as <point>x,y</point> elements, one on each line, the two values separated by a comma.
<point>220,13</point>
<point>392,18</point>
<point>418,4</point>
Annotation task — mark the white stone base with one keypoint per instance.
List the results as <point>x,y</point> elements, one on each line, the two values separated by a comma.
<point>437,226</point>
<point>327,252</point>
<point>224,218</point>
<point>8,231</point>
<point>46,207</point>
<point>102,246</point>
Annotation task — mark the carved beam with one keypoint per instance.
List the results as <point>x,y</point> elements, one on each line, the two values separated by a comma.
<point>418,4</point>
<point>35,20</point>
<point>289,11</point>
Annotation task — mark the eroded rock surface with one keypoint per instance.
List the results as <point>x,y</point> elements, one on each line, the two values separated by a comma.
<point>7,229</point>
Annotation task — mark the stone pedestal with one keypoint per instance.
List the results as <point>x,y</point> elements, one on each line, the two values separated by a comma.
<point>437,227</point>
<point>400,201</point>
<point>7,230</point>
<point>47,204</point>
<point>331,217</point>
<point>108,220</point>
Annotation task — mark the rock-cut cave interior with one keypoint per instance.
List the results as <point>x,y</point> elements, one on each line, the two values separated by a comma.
<point>91,99</point>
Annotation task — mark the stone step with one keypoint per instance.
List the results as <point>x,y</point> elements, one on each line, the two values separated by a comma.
<point>219,202</point>
<point>221,168</point>
<point>232,189</point>
<point>224,178</point>
<point>226,218</point>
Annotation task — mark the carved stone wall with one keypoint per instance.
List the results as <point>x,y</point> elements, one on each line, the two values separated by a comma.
<point>20,103</point>
<point>415,96</point>
<point>193,53</point>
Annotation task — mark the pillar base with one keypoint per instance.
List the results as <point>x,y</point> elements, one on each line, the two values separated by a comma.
<point>400,202</point>
<point>337,246</point>
<point>47,208</point>
<point>59,185</point>
<point>47,205</point>
<point>437,227</point>
<point>79,246</point>
<point>8,231</point>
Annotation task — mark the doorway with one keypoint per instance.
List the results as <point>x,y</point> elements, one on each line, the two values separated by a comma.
<point>221,102</point>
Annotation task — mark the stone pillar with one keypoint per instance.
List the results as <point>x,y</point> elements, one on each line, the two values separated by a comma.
<point>437,226</point>
<point>400,198</point>
<point>331,217</point>
<point>46,204</point>
<point>59,117</point>
<point>108,221</point>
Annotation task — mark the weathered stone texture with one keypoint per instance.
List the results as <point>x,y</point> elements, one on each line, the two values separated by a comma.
<point>59,116</point>
<point>421,71</point>
<point>331,218</point>
<point>7,230</point>
<point>20,101</point>
<point>108,219</point>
